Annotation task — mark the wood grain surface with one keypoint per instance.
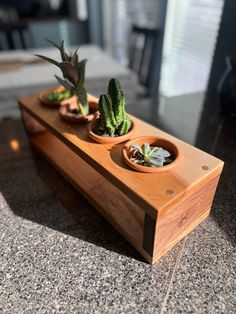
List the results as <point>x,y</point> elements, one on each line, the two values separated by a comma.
<point>153,192</point>
<point>181,219</point>
<point>116,207</point>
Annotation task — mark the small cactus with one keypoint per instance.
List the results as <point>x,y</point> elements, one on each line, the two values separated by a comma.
<point>73,72</point>
<point>113,120</point>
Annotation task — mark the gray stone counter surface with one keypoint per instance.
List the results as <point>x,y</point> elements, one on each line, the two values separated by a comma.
<point>58,255</point>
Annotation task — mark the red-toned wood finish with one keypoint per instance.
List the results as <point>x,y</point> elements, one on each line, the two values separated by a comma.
<point>153,211</point>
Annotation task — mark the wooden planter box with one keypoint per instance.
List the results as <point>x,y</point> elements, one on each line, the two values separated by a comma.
<point>152,211</point>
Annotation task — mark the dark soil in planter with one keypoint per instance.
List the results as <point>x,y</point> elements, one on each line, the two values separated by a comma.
<point>71,114</point>
<point>75,111</point>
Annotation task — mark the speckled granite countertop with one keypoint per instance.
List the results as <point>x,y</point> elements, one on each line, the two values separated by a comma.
<point>58,255</point>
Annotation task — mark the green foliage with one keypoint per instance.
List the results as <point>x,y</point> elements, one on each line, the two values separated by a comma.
<point>73,72</point>
<point>150,156</point>
<point>113,120</point>
<point>58,96</point>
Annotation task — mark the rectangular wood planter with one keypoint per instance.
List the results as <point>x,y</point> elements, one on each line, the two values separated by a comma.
<point>152,211</point>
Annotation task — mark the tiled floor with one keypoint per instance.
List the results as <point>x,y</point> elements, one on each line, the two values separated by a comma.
<point>58,255</point>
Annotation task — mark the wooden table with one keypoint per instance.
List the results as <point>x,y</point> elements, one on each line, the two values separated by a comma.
<point>24,76</point>
<point>27,73</point>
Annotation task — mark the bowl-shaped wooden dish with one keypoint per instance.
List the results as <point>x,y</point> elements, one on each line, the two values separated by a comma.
<point>110,139</point>
<point>66,115</point>
<point>152,141</point>
<point>54,104</point>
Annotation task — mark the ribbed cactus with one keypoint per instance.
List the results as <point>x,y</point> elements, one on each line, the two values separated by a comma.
<point>113,120</point>
<point>73,72</point>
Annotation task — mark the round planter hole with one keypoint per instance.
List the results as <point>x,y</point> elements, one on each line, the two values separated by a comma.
<point>169,192</point>
<point>152,141</point>
<point>204,167</point>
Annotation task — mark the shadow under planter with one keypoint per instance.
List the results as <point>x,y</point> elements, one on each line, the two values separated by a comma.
<point>89,225</point>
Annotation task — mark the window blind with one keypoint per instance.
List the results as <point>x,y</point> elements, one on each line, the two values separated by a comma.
<point>191,31</point>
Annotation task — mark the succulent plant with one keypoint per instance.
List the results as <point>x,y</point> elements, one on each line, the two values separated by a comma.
<point>149,156</point>
<point>58,96</point>
<point>73,72</point>
<point>113,120</point>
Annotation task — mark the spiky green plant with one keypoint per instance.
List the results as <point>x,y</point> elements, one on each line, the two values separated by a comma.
<point>148,156</point>
<point>58,96</point>
<point>73,72</point>
<point>113,120</point>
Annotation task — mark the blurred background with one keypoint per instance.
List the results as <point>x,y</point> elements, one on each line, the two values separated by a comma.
<point>169,55</point>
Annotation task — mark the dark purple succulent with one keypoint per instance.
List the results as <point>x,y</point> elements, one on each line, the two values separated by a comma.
<point>73,72</point>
